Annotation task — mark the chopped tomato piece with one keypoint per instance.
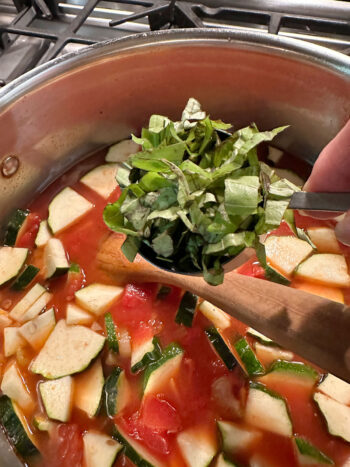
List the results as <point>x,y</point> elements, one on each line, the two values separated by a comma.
<point>160,415</point>
<point>65,446</point>
<point>75,281</point>
<point>156,440</point>
<point>252,268</point>
<point>29,232</point>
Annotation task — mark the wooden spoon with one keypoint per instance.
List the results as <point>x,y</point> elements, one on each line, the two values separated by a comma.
<point>313,327</point>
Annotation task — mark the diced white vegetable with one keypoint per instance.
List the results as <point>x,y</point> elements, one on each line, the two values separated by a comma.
<point>267,411</point>
<point>56,262</point>
<point>76,315</point>
<point>124,342</point>
<point>27,301</point>
<point>139,350</point>
<point>102,179</point>
<point>12,341</point>
<point>119,152</point>
<point>57,398</point>
<point>36,331</point>
<point>88,389</point>
<point>12,385</point>
<point>324,239</point>
<point>325,269</point>
<point>42,423</point>
<point>66,208</point>
<point>218,317</point>
<point>43,235</point>
<point>260,337</point>
<point>286,252</point>
<point>336,389</point>
<point>124,395</point>
<point>97,298</point>
<point>198,446</point>
<point>337,415</point>
<point>163,374</point>
<point>36,308</point>
<point>100,450</point>
<point>68,350</point>
<point>11,262</point>
<point>235,438</point>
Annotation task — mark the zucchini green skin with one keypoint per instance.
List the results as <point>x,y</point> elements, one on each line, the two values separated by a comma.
<point>171,351</point>
<point>112,340</point>
<point>149,357</point>
<point>24,279</point>
<point>187,309</point>
<point>110,392</point>
<point>130,452</point>
<point>220,346</point>
<point>13,227</point>
<point>248,357</point>
<point>14,429</point>
<point>74,268</point>
<point>294,368</point>
<point>307,449</point>
<point>270,273</point>
<point>163,292</point>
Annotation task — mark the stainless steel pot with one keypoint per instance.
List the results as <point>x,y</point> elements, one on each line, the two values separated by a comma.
<point>56,114</point>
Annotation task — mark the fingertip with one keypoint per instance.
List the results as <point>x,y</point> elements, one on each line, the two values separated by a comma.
<point>342,230</point>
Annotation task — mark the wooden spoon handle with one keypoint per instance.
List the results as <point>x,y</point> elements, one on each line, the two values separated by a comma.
<point>313,327</point>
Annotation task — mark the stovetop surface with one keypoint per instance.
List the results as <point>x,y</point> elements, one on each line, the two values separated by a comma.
<point>35,31</point>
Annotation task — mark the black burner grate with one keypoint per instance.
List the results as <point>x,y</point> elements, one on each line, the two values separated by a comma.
<point>47,27</point>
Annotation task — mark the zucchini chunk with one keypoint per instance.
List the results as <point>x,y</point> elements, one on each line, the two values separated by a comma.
<point>56,263</point>
<point>286,253</point>
<point>101,179</point>
<point>221,347</point>
<point>112,340</point>
<point>36,308</point>
<point>251,364</point>
<point>36,331</point>
<point>88,389</point>
<point>270,272</point>
<point>159,372</point>
<point>337,415</point>
<point>119,152</point>
<point>12,386</point>
<point>134,450</point>
<point>218,317</point>
<point>57,398</point>
<point>42,423</point>
<point>100,450</point>
<point>12,341</point>
<point>296,371</point>
<point>97,298</point>
<point>236,438</point>
<point>309,455</point>
<point>14,226</point>
<point>25,278</point>
<point>76,315</point>
<point>144,354</point>
<point>68,350</point>
<point>117,392</point>
<point>66,208</point>
<point>27,301</point>
<point>324,239</point>
<point>260,337</point>
<point>43,235</point>
<point>268,353</point>
<point>198,446</point>
<point>223,461</point>
<point>325,268</point>
<point>187,309</point>
<point>267,410</point>
<point>15,427</point>
<point>11,262</point>
<point>335,388</point>
<point>5,320</point>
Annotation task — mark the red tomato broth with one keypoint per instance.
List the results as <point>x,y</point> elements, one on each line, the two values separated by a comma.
<point>187,400</point>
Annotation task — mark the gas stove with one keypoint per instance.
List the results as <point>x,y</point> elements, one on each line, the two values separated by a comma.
<point>35,31</point>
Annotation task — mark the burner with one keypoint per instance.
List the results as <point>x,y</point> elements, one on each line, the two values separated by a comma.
<point>35,31</point>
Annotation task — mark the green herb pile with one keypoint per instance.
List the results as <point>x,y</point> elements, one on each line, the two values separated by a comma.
<point>196,195</point>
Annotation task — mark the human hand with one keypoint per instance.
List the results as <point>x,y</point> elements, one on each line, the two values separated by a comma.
<point>331,173</point>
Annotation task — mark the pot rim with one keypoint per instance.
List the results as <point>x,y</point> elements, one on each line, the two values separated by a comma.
<point>249,40</point>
